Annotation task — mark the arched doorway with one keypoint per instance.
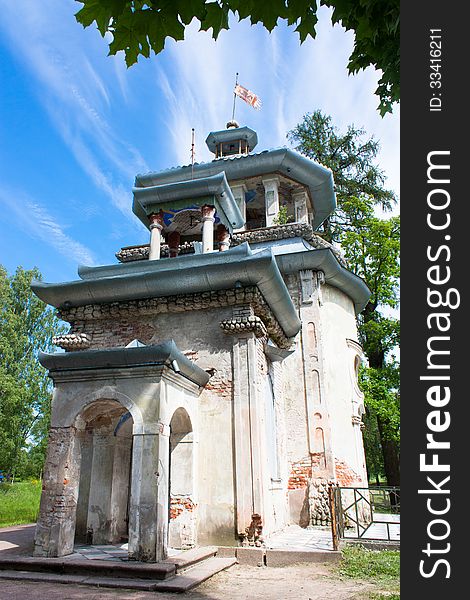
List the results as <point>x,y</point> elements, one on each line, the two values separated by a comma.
<point>105,439</point>
<point>182,506</point>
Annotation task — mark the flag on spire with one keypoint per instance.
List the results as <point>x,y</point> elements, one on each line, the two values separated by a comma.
<point>249,97</point>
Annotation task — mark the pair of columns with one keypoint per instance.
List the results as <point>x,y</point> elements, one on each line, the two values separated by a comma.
<point>271,194</point>
<point>208,219</point>
<point>148,500</point>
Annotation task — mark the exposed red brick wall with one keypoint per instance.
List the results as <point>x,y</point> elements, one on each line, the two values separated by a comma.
<point>345,476</point>
<point>300,472</point>
<point>304,469</point>
<point>179,505</point>
<point>221,388</point>
<point>318,461</point>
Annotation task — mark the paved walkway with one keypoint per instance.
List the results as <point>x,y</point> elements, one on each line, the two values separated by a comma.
<point>18,540</point>
<point>299,539</point>
<point>387,528</point>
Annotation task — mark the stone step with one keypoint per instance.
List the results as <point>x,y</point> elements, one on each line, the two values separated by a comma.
<point>188,558</point>
<point>188,579</point>
<point>282,558</point>
<point>87,567</point>
<point>195,575</point>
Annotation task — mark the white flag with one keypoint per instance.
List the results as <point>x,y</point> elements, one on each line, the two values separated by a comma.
<point>249,97</point>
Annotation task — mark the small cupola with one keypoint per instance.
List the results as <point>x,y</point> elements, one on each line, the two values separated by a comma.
<point>233,141</point>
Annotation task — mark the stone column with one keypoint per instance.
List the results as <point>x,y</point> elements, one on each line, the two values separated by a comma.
<point>148,510</point>
<point>318,420</point>
<point>238,192</point>
<point>249,472</point>
<point>120,489</point>
<point>156,226</point>
<point>86,446</point>
<point>300,207</point>
<point>223,238</point>
<point>271,194</point>
<point>173,243</point>
<point>208,219</point>
<point>55,529</point>
<point>101,485</point>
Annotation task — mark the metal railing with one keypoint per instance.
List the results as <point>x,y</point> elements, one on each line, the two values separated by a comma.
<point>371,513</point>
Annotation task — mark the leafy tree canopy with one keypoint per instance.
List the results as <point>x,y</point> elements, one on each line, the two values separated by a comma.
<point>26,326</point>
<point>352,158</point>
<point>371,246</point>
<point>380,387</point>
<point>141,26</point>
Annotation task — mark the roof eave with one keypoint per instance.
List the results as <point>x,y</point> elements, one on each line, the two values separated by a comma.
<point>198,273</point>
<point>162,354</point>
<point>147,199</point>
<point>335,274</point>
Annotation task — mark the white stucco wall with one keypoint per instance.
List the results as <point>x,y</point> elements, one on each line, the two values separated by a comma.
<point>199,334</point>
<point>338,324</point>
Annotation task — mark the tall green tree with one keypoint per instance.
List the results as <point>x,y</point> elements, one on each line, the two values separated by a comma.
<point>26,326</point>
<point>139,27</point>
<point>371,247</point>
<point>352,157</point>
<point>382,420</point>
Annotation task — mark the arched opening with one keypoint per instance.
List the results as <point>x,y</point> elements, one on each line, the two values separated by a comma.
<point>105,437</point>
<point>182,507</point>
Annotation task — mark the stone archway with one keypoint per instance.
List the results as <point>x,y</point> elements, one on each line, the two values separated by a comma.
<point>105,439</point>
<point>182,506</point>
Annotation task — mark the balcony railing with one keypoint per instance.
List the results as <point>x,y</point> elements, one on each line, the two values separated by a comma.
<point>252,236</point>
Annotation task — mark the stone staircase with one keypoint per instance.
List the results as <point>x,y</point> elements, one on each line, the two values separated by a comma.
<point>179,573</point>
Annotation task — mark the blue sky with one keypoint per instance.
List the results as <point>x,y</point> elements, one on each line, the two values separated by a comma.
<point>76,126</point>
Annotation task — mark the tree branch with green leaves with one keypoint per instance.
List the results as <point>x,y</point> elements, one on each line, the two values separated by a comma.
<point>27,326</point>
<point>139,27</point>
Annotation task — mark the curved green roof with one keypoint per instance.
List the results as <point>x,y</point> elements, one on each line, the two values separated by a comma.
<point>232,134</point>
<point>213,190</point>
<point>318,179</point>
<point>161,354</point>
<point>181,275</point>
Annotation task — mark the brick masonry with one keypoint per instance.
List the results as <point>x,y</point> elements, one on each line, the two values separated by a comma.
<point>118,323</point>
<point>180,504</point>
<point>221,388</point>
<point>306,474</point>
<point>300,473</point>
<point>345,476</point>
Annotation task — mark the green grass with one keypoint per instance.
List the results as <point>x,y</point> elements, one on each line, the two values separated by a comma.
<point>378,596</point>
<point>381,567</point>
<point>19,502</point>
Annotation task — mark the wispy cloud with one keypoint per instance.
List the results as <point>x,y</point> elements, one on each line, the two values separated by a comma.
<point>196,77</point>
<point>40,225</point>
<point>73,91</point>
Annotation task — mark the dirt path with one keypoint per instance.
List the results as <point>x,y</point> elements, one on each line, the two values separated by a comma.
<point>241,582</point>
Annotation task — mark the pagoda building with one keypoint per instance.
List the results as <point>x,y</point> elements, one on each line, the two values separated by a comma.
<point>208,389</point>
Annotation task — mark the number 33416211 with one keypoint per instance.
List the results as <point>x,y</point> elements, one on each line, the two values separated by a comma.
<point>435,60</point>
